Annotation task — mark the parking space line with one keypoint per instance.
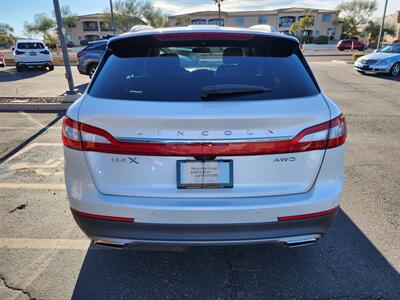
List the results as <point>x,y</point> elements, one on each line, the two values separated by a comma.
<point>29,147</point>
<point>32,119</point>
<point>44,244</point>
<point>33,186</point>
<point>27,128</point>
<point>26,143</point>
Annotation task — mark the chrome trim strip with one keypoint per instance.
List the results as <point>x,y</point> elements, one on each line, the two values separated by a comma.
<point>309,238</point>
<point>189,141</point>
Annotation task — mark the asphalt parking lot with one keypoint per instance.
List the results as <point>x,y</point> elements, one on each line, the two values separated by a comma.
<point>43,254</point>
<point>38,82</point>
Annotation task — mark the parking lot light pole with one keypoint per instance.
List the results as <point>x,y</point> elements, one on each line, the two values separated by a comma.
<point>68,73</point>
<point>382,26</point>
<point>112,17</point>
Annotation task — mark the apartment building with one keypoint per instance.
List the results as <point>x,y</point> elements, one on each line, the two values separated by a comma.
<point>325,21</point>
<point>88,28</point>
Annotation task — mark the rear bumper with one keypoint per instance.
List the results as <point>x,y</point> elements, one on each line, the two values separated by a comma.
<point>34,63</point>
<point>82,69</point>
<point>121,233</point>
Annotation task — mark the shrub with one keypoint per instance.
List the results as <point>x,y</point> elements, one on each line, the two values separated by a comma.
<point>357,56</point>
<point>308,39</point>
<point>322,39</point>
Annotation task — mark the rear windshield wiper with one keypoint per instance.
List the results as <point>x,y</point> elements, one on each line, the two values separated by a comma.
<point>219,90</point>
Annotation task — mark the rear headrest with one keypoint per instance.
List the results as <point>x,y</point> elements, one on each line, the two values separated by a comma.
<point>232,55</point>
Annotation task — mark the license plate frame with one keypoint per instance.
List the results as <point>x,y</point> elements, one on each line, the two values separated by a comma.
<point>32,54</point>
<point>224,177</point>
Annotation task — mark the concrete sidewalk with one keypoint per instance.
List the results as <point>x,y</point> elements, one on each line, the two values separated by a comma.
<point>38,82</point>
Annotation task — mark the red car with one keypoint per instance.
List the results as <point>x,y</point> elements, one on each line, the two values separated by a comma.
<point>350,44</point>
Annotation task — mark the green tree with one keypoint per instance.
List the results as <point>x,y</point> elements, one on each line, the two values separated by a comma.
<point>182,21</point>
<point>306,22</point>
<point>41,24</point>
<point>374,27</point>
<point>68,17</point>
<point>6,34</point>
<point>296,29</point>
<point>354,13</point>
<point>129,13</point>
<point>154,16</point>
<point>51,40</point>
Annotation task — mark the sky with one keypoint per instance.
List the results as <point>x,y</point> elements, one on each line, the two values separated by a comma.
<point>16,12</point>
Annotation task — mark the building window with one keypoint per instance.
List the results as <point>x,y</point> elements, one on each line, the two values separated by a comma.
<point>219,22</point>
<point>262,20</point>
<point>199,21</point>
<point>326,18</point>
<point>331,31</point>
<point>286,21</point>
<point>239,20</point>
<point>90,26</point>
<point>105,26</point>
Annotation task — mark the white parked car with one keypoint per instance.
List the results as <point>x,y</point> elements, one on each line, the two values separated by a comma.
<point>242,147</point>
<point>32,53</point>
<point>385,60</point>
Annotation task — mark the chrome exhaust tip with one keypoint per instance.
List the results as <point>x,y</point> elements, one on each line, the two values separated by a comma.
<point>108,244</point>
<point>302,241</point>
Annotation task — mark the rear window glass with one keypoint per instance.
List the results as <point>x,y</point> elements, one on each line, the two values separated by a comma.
<point>30,46</point>
<point>179,73</point>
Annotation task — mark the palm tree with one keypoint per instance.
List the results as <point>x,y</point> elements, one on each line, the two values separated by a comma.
<point>218,2</point>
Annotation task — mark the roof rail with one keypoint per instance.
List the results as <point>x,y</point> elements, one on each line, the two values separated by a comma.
<point>137,28</point>
<point>263,27</point>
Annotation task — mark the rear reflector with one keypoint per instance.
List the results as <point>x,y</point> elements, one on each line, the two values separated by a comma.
<point>80,136</point>
<point>102,217</point>
<point>306,216</point>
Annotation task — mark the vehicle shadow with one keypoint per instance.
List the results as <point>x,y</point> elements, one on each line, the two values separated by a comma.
<point>344,264</point>
<point>11,74</point>
<point>384,76</point>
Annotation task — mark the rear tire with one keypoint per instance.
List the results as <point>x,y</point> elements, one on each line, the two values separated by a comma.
<point>19,69</point>
<point>341,48</point>
<point>395,70</point>
<point>92,70</point>
<point>51,67</point>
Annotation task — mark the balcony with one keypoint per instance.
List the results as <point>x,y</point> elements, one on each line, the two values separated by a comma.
<point>90,26</point>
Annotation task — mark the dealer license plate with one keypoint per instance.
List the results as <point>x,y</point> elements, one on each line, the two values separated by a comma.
<point>212,174</point>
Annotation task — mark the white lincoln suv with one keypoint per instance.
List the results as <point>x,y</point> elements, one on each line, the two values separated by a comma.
<point>204,135</point>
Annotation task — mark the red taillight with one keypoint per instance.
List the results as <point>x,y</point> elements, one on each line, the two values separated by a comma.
<point>80,53</point>
<point>89,138</point>
<point>17,52</point>
<point>102,217</point>
<point>204,36</point>
<point>306,216</point>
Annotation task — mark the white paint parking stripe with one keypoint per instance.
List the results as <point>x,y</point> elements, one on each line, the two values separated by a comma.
<point>33,186</point>
<point>44,244</point>
<point>32,119</point>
